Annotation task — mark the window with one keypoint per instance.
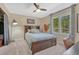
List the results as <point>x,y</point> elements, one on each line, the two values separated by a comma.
<point>56,24</point>
<point>65,24</point>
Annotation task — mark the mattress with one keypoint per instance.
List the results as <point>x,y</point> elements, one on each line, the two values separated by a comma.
<point>33,37</point>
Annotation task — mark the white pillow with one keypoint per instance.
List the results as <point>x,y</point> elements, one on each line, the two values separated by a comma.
<point>35,30</point>
<point>29,30</point>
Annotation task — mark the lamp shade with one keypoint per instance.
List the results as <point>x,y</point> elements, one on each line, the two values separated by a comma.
<point>14,22</point>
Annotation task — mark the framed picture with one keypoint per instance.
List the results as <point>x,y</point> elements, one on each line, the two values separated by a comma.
<point>30,21</point>
<point>77,23</point>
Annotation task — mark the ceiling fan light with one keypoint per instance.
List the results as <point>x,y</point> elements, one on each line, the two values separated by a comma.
<point>38,10</point>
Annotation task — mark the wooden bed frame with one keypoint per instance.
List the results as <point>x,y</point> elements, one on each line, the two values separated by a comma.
<point>41,45</point>
<point>30,27</point>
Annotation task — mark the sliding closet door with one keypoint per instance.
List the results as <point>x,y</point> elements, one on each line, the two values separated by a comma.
<point>6,30</point>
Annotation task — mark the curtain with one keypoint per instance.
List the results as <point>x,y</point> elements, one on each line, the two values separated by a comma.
<point>6,30</point>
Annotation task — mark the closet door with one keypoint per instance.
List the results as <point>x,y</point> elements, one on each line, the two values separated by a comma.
<point>6,30</point>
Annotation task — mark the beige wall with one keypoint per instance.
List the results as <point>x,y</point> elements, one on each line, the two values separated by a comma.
<point>45,20</point>
<point>13,30</point>
<point>22,20</point>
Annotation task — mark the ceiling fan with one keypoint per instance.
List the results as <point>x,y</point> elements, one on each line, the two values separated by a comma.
<point>38,9</point>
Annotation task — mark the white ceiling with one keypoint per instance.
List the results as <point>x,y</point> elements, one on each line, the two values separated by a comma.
<point>28,8</point>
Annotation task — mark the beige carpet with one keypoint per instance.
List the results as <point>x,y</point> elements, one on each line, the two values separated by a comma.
<point>59,49</point>
<point>54,50</point>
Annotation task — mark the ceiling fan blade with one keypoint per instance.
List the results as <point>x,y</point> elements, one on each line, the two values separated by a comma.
<point>43,9</point>
<point>34,11</point>
<point>37,6</point>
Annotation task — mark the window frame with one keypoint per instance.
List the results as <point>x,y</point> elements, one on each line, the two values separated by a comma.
<point>60,27</point>
<point>69,23</point>
<point>58,23</point>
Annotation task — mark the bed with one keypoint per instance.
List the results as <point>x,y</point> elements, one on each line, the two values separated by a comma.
<point>38,41</point>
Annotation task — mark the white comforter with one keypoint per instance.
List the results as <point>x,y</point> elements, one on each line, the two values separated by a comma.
<point>18,47</point>
<point>33,37</point>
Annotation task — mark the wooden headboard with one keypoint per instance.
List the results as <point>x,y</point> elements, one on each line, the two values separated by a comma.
<point>30,27</point>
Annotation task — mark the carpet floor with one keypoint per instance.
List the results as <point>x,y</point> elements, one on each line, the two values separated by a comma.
<point>59,49</point>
